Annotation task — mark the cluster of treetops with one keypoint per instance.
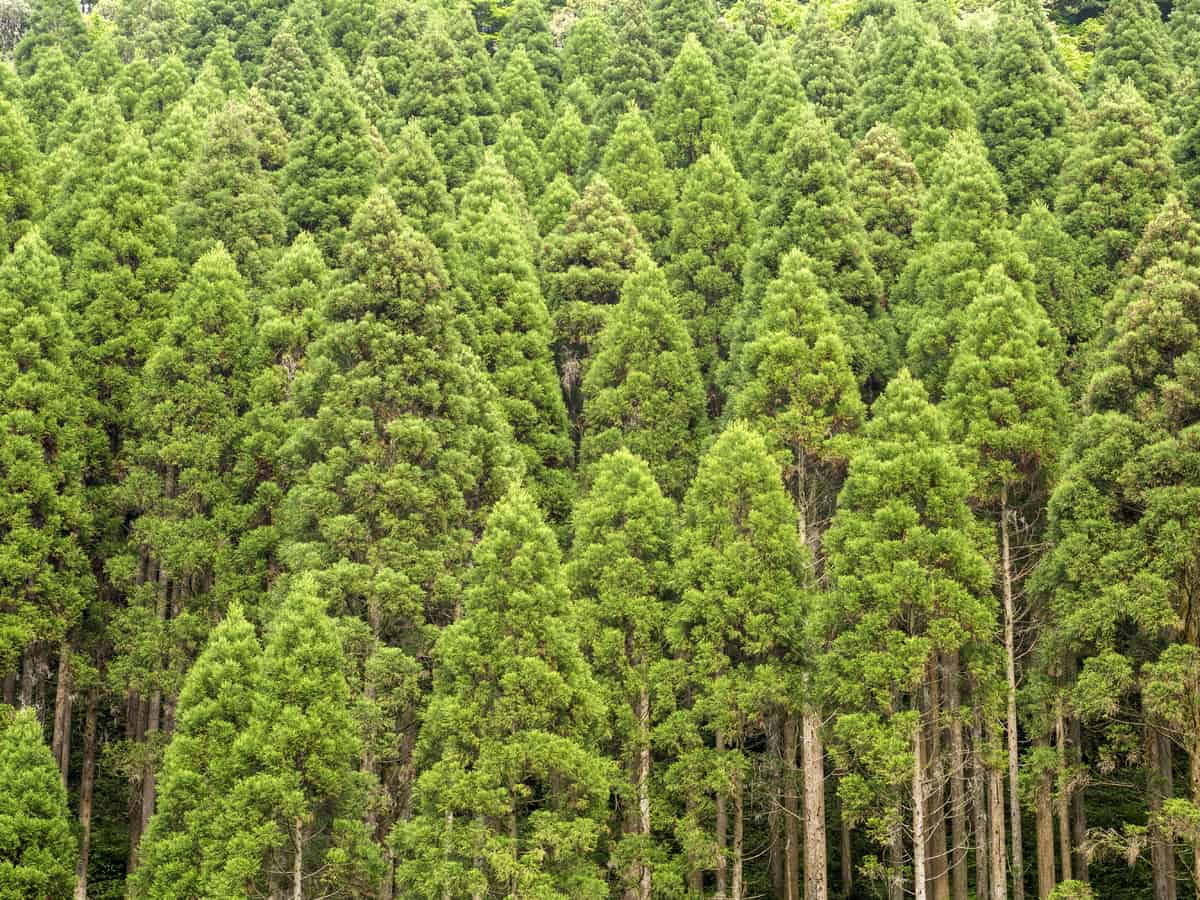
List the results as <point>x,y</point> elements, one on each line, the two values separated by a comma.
<point>622,450</point>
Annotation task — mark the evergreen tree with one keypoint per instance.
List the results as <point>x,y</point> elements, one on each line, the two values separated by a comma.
<point>887,189</point>
<point>888,52</point>
<point>37,848</point>
<point>642,390</point>
<point>1135,49</point>
<point>586,50</point>
<point>415,179</point>
<point>220,79</point>
<point>44,520</point>
<point>823,63</point>
<point>246,25</point>
<point>288,80</point>
<point>527,28</point>
<point>620,574</point>
<point>1057,279</point>
<point>633,68</point>
<point>1186,149</point>
<point>555,204</point>
<point>331,168</point>
<point>936,105</point>
<point>1112,183</point>
<point>51,23</point>
<point>521,95</point>
<point>706,249</point>
<point>515,709</point>
<point>370,92</point>
<point>228,198</point>
<point>1184,28</point>
<point>1023,112</point>
<point>167,85</point>
<point>49,91</point>
<point>634,168</point>
<point>567,148</point>
<point>674,20</point>
<point>773,112</point>
<point>19,197</point>
<point>739,571</point>
<point>521,157</point>
<point>691,112</point>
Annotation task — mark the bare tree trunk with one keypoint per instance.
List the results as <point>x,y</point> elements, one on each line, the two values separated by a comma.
<point>60,743</point>
<point>776,765</point>
<point>1045,832</point>
<point>936,869</point>
<point>29,668</point>
<point>791,812</point>
<point>979,805</point>
<point>1063,796</point>
<point>87,783</point>
<point>1078,813</point>
<point>135,730</point>
<point>1010,657</point>
<point>298,858</point>
<point>1162,853</point>
<point>999,862</point>
<point>722,829</point>
<point>149,782</point>
<point>958,802</point>
<point>737,891</point>
<point>918,807</point>
<point>847,855</point>
<point>9,695</point>
<point>643,784</point>
<point>816,882</point>
<point>896,887</point>
<point>1194,786</point>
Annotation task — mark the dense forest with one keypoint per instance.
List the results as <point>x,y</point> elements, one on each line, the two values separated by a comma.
<point>465,449</point>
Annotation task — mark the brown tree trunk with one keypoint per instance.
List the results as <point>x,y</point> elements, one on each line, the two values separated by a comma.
<point>298,858</point>
<point>1194,786</point>
<point>918,807</point>
<point>1162,853</point>
<point>847,856</point>
<point>29,677</point>
<point>776,766</point>
<point>149,781</point>
<point>1063,795</point>
<point>643,784</point>
<point>60,743</point>
<point>1010,659</point>
<point>979,805</point>
<point>87,783</point>
<point>1078,813</point>
<point>896,860</point>
<point>737,889</point>
<point>9,695</point>
<point>936,869</point>
<point>958,801</point>
<point>1045,831</point>
<point>791,812</point>
<point>816,883</point>
<point>722,834</point>
<point>998,864</point>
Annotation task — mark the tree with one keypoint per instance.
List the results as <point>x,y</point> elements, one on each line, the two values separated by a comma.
<point>619,572</point>
<point>691,111</point>
<point>675,20</point>
<point>823,63</point>
<point>167,85</point>
<point>1186,150</point>
<point>586,50</point>
<point>51,23</point>
<point>49,90</point>
<point>888,192</point>
<point>1112,183</point>
<point>706,250</point>
<point>1057,280</point>
<point>634,168</point>
<point>1181,26</point>
<point>1134,49</point>
<point>288,80</point>
<point>521,95</point>
<point>567,148</point>
<point>416,181</point>
<point>642,389</point>
<point>528,29</point>
<point>555,204</point>
<point>515,708</point>
<point>768,122</point>
<point>739,571</point>
<point>521,157</point>
<point>37,850</point>
<point>19,200</point>
<point>1010,413</point>
<point>911,605</point>
<point>1024,109</point>
<point>633,68</point>
<point>332,166</point>
<point>936,105</point>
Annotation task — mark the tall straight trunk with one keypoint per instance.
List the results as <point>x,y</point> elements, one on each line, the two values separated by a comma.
<point>643,784</point>
<point>29,677</point>
<point>776,769</point>
<point>1010,660</point>
<point>1044,814</point>
<point>1162,853</point>
<point>791,812</point>
<point>918,806</point>
<point>60,743</point>
<point>1063,795</point>
<point>896,860</point>
<point>298,858</point>
<point>936,869</point>
<point>737,889</point>
<point>695,877</point>
<point>816,881</point>
<point>1194,787</point>
<point>1078,813</point>
<point>87,784</point>
<point>958,800</point>
<point>847,856</point>
<point>722,829</point>
<point>998,864</point>
<point>979,806</point>
<point>149,781</point>
<point>9,695</point>
<point>135,730</point>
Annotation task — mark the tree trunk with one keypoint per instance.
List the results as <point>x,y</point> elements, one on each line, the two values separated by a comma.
<point>847,855</point>
<point>936,869</point>
<point>896,860</point>
<point>9,695</point>
<point>1194,786</point>
<point>918,807</point>
<point>1010,655</point>
<point>1063,796</point>
<point>298,858</point>
<point>776,772</point>
<point>135,730</point>
<point>1162,853</point>
<point>958,800</point>
<point>60,744</point>
<point>816,884</point>
<point>722,828</point>
<point>149,782</point>
<point>29,668</point>
<point>998,865</point>
<point>791,812</point>
<point>1078,813</point>
<point>1045,832</point>
<point>643,784</point>
<point>737,891</point>
<point>979,805</point>
<point>87,783</point>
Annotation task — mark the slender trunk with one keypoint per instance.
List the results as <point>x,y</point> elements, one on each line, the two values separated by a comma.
<point>29,667</point>
<point>9,696</point>
<point>1162,853</point>
<point>1078,813</point>
<point>1045,832</point>
<point>722,828</point>
<point>643,784</point>
<point>918,807</point>
<point>87,783</point>
<point>979,805</point>
<point>1063,795</point>
<point>847,856</point>
<point>149,782</point>
<point>60,743</point>
<point>791,812</point>
<point>936,869</point>
<point>816,881</point>
<point>695,877</point>
<point>998,865</point>
<point>1010,654</point>
<point>958,800</point>
<point>776,723</point>
<point>737,891</point>
<point>135,730</point>
<point>298,858</point>
<point>1194,786</point>
<point>896,860</point>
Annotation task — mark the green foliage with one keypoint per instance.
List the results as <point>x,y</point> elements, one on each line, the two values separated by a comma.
<point>674,21</point>
<point>19,200</point>
<point>691,113</point>
<point>1057,280</point>
<point>288,80</point>
<point>823,62</point>
<point>528,29</point>
<point>633,68</point>
<point>642,390</point>
<point>1134,49</point>
<point>586,50</point>
<point>936,106</point>
<point>634,168</point>
<point>521,95</point>
<point>50,89</point>
<point>37,848</point>
<point>567,148</point>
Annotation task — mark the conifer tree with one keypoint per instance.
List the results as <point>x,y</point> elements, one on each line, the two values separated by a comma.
<point>1135,49</point>
<point>331,168</point>
<point>391,34</point>
<point>521,95</point>
<point>49,91</point>
<point>521,157</point>
<point>37,848</point>
<point>51,23</point>
<point>19,197</point>
<point>1182,26</point>
<point>642,389</point>
<point>635,170</point>
<point>480,75</point>
<point>288,80</point>
<point>44,520</point>
<point>774,111</point>
<point>415,179</point>
<point>527,28</point>
<point>706,250</point>
<point>228,198</point>
<point>370,92</point>
<point>1023,113</point>
<point>515,341</point>
<point>166,86</point>
<point>691,112</point>
<point>567,148</point>
<point>555,204</point>
<point>1112,183</point>
<point>936,105</point>
<point>1057,280</point>
<point>633,68</point>
<point>585,262</point>
<point>887,190</point>
<point>739,571</point>
<point>620,574</point>
<point>514,709</point>
<point>1186,149</point>
<point>823,63</point>
<point>888,52</point>
<point>586,50</point>
<point>220,79</point>
<point>674,20</point>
